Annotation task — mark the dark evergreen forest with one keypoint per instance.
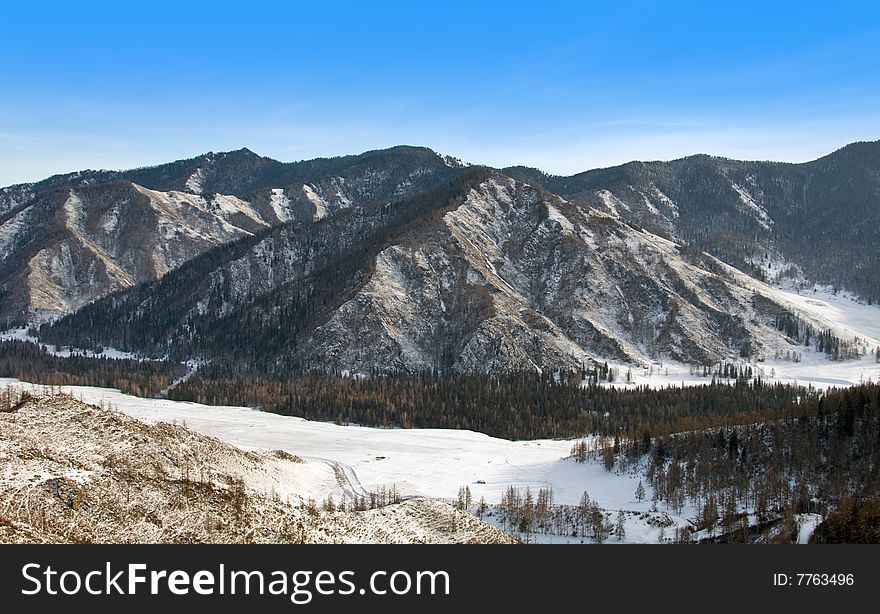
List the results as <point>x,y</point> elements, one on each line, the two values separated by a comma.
<point>824,457</point>
<point>31,363</point>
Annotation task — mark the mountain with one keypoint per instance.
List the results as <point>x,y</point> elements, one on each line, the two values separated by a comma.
<point>814,221</point>
<point>483,274</point>
<point>403,260</point>
<point>71,239</point>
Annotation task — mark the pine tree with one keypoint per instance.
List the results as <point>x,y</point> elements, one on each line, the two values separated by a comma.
<point>464,498</point>
<point>709,515</point>
<point>597,523</point>
<point>640,492</point>
<point>583,512</point>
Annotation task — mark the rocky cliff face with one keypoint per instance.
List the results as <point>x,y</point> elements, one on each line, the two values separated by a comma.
<point>772,220</point>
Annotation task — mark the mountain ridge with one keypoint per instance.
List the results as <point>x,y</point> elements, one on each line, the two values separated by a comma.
<point>406,260</point>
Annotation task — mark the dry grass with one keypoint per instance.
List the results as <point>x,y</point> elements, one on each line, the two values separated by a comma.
<point>77,473</point>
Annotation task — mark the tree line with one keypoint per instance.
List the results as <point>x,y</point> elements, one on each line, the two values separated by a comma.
<point>524,405</point>
<point>32,363</point>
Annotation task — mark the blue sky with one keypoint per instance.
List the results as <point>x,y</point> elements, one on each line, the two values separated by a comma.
<point>562,86</point>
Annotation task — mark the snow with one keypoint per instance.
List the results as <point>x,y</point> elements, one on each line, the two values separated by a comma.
<point>436,462</point>
<point>759,212</point>
<point>73,210</point>
<point>280,204</point>
<point>807,524</point>
<point>847,313</point>
<point>481,228</point>
<point>10,230</point>
<point>847,317</point>
<point>232,205</point>
<point>556,215</point>
<point>194,183</point>
<point>421,462</point>
<point>182,212</point>
<point>21,334</point>
<point>429,462</point>
<point>611,202</point>
<point>338,184</point>
<point>649,204</point>
<point>192,215</point>
<point>317,201</point>
<point>14,196</point>
<point>392,292</point>
<point>666,201</point>
<point>452,161</point>
<point>110,221</point>
<point>53,442</point>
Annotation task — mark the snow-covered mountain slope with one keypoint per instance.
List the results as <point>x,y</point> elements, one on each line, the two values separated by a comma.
<point>79,473</point>
<point>13,196</point>
<point>515,278</point>
<point>487,274</point>
<point>429,464</point>
<point>401,261</point>
<point>69,247</point>
<point>73,239</point>
<point>816,218</point>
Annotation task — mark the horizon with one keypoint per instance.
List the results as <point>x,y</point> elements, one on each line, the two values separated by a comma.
<point>564,88</point>
<point>439,153</point>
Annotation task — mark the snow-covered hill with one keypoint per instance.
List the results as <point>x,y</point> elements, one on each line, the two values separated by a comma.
<point>72,472</point>
<point>427,467</point>
<point>401,261</point>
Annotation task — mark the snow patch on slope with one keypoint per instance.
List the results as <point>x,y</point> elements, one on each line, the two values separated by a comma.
<point>338,185</point>
<point>232,205</point>
<point>611,202</point>
<point>73,209</point>
<point>648,204</point>
<point>665,201</point>
<point>317,201</point>
<point>110,221</point>
<point>556,215</point>
<point>21,334</point>
<point>190,214</point>
<point>194,183</point>
<point>759,212</point>
<point>10,230</point>
<point>280,204</point>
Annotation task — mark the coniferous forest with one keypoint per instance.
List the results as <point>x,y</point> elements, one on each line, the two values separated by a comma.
<point>523,405</point>
<point>824,457</point>
<point>31,363</point>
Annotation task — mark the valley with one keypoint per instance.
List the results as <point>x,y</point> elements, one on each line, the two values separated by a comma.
<point>503,350</point>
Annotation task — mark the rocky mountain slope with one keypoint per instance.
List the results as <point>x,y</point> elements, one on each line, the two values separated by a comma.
<point>516,278</point>
<point>814,220</point>
<point>79,473</point>
<point>483,275</point>
<point>403,260</point>
<point>72,239</point>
